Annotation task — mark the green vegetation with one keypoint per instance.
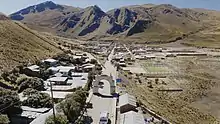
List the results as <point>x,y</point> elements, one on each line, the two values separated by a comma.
<point>91,77</point>
<point>36,99</point>
<point>9,101</point>
<point>35,83</point>
<point>4,119</point>
<point>74,104</point>
<point>60,119</point>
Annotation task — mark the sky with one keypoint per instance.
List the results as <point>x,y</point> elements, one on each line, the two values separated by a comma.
<point>10,6</point>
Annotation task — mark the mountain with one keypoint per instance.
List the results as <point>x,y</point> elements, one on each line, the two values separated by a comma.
<point>145,23</point>
<point>20,44</point>
<point>45,14</point>
<point>3,17</point>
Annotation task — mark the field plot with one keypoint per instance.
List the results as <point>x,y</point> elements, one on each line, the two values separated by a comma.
<point>156,67</point>
<point>189,94</point>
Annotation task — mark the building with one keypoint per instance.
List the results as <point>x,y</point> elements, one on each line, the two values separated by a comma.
<point>88,67</point>
<point>58,94</point>
<point>66,70</point>
<point>127,103</point>
<point>53,70</point>
<point>50,62</point>
<point>132,118</point>
<point>28,115</point>
<point>33,71</point>
<point>58,80</point>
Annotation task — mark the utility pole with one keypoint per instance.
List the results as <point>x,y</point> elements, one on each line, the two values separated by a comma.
<point>51,90</point>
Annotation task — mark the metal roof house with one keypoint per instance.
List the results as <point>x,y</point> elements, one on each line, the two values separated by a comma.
<point>33,70</point>
<point>131,118</point>
<point>127,103</point>
<point>28,115</point>
<point>51,62</point>
<point>66,70</point>
<point>59,80</point>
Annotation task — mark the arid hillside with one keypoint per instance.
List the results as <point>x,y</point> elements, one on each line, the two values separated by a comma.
<point>19,44</point>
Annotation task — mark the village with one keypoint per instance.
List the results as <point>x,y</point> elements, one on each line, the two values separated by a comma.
<point>108,72</point>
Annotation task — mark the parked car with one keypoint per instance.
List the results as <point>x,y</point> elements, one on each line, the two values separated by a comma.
<point>104,117</point>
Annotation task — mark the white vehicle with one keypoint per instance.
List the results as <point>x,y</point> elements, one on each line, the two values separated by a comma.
<point>104,117</point>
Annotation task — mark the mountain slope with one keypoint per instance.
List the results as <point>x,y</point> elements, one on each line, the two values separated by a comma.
<point>145,23</point>
<point>21,45</point>
<point>44,14</point>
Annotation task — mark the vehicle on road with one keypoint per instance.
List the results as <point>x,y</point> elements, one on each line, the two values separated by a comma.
<point>104,117</point>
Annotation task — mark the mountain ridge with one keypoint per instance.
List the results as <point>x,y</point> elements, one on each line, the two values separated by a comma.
<point>146,22</point>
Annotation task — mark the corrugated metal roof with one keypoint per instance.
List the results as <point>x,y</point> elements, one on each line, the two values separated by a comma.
<point>127,99</point>
<point>58,79</point>
<point>132,118</point>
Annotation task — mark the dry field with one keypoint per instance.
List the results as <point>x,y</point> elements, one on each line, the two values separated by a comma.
<point>19,45</point>
<point>199,101</point>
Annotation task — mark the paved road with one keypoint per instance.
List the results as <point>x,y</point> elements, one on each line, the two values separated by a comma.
<point>101,104</point>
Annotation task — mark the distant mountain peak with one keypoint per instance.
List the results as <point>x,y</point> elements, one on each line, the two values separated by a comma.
<point>48,5</point>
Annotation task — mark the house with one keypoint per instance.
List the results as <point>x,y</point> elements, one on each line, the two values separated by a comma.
<point>28,115</point>
<point>88,67</point>
<point>33,71</point>
<point>58,80</point>
<point>127,103</point>
<point>132,118</point>
<point>66,70</point>
<point>57,94</point>
<point>50,62</point>
<point>53,70</point>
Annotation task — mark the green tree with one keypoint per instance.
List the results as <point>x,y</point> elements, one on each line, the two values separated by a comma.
<point>35,83</point>
<point>91,77</point>
<point>9,101</point>
<point>37,99</point>
<point>4,119</point>
<point>93,61</point>
<point>74,104</point>
<point>60,119</point>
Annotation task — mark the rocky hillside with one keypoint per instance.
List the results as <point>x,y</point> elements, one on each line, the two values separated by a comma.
<point>19,44</point>
<point>44,14</point>
<point>140,22</point>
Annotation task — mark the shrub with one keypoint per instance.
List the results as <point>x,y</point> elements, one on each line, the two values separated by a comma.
<point>9,101</point>
<point>35,83</point>
<point>93,61</point>
<point>60,119</point>
<point>38,100</point>
<point>4,119</point>
<point>74,104</point>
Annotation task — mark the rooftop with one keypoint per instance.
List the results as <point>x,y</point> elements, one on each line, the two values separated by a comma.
<point>127,99</point>
<point>34,67</point>
<point>58,94</point>
<point>50,60</point>
<point>58,79</point>
<point>132,118</point>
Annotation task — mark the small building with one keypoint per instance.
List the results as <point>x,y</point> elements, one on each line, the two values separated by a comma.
<point>127,103</point>
<point>88,67</point>
<point>122,64</point>
<point>51,62</point>
<point>54,70</point>
<point>33,71</point>
<point>66,70</point>
<point>58,80</point>
<point>58,94</point>
<point>28,115</point>
<point>132,118</point>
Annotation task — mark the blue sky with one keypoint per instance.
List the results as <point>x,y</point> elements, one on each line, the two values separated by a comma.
<point>10,6</point>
